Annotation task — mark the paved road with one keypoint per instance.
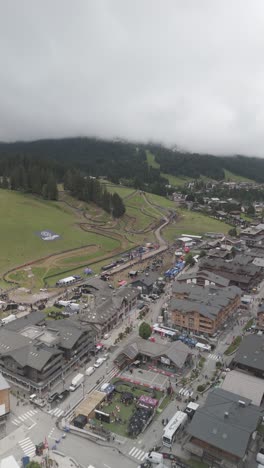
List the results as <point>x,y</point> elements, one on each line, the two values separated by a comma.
<point>83,450</point>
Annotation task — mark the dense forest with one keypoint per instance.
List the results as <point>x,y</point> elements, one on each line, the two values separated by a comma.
<point>194,165</point>
<point>123,162</point>
<point>89,189</point>
<point>41,176</point>
<point>119,162</point>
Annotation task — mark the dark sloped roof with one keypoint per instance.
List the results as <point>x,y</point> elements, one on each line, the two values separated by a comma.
<point>148,279</point>
<point>31,319</point>
<point>208,300</point>
<point>224,424</point>
<point>177,352</point>
<point>251,352</point>
<point>206,275</point>
<point>131,351</point>
<point>70,331</point>
<point>33,356</point>
<point>23,351</point>
<point>10,340</point>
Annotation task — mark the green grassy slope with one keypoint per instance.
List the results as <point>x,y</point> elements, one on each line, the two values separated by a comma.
<point>230,176</point>
<point>173,180</point>
<point>193,223</point>
<point>22,216</point>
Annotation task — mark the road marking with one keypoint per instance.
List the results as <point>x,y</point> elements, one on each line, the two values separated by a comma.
<point>107,466</point>
<point>132,451</point>
<point>142,457</point>
<point>137,453</point>
<point>27,446</point>
<point>216,357</point>
<point>32,425</point>
<point>56,412</point>
<point>22,418</point>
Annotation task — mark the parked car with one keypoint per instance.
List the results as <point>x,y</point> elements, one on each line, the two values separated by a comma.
<point>154,296</point>
<point>106,356</point>
<point>99,362</point>
<point>146,298</point>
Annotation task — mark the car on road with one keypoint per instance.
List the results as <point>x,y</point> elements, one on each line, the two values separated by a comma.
<point>53,397</point>
<point>63,395</point>
<point>98,363</point>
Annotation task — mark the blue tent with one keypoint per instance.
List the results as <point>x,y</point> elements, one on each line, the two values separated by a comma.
<point>88,271</point>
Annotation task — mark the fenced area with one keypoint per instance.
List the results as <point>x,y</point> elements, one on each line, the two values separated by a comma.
<point>146,378</point>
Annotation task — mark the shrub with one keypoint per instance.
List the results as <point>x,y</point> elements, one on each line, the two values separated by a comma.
<point>145,330</point>
<point>201,388</point>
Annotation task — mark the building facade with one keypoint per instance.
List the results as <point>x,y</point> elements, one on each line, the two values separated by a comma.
<point>202,310</point>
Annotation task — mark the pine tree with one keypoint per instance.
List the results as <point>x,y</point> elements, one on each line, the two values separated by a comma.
<point>5,183</point>
<point>52,190</point>
<point>67,180</point>
<point>14,179</point>
<point>118,206</point>
<point>35,181</point>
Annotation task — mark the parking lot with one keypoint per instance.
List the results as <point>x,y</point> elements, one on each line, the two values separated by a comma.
<point>146,377</point>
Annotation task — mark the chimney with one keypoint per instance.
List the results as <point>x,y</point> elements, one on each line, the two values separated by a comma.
<point>226,414</point>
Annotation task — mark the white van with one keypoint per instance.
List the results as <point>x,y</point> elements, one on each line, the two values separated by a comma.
<point>155,458</point>
<point>89,370</point>
<point>260,458</point>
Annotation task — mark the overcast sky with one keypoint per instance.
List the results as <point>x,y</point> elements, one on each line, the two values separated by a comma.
<point>185,72</point>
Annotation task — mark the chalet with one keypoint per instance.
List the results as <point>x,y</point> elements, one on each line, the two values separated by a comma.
<point>221,430</point>
<point>202,309</point>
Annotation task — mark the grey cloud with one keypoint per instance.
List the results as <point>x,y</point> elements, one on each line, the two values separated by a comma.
<point>180,72</point>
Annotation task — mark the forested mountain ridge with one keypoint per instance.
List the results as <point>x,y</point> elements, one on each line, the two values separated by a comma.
<point>127,161</point>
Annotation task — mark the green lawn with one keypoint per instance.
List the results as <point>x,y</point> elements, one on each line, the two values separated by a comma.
<point>190,222</point>
<point>172,179</point>
<point>246,217</point>
<point>141,220</point>
<point>176,181</point>
<point>120,190</point>
<point>197,464</point>
<point>161,201</point>
<point>139,203</point>
<point>22,217</point>
<point>230,176</point>
<point>151,160</point>
<point>234,346</point>
<point>248,324</point>
<point>122,411</point>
